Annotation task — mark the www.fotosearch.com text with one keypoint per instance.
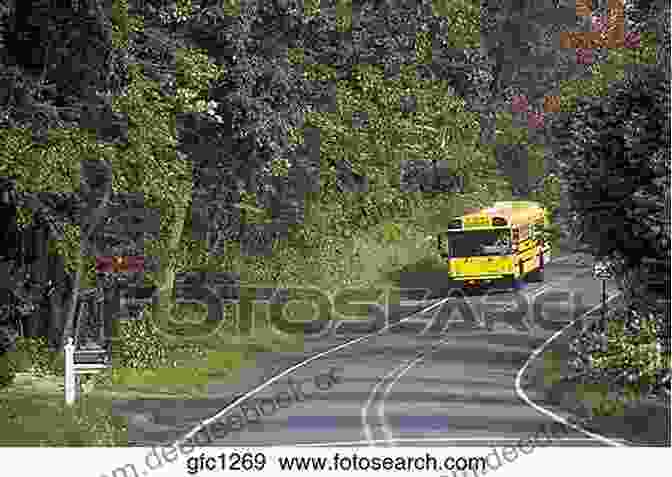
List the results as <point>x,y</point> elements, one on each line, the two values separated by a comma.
<point>258,461</point>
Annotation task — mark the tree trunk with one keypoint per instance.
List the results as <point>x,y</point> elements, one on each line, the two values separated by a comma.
<point>166,281</point>
<point>89,185</point>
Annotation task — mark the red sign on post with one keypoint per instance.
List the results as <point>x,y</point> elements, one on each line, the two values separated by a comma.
<point>119,264</point>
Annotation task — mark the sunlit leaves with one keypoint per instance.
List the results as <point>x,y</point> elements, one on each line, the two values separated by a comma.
<point>149,162</point>
<point>311,8</point>
<point>506,132</point>
<point>195,72</point>
<point>343,15</point>
<point>120,23</point>
<point>639,48</point>
<point>319,72</point>
<point>423,47</point>
<point>391,232</point>
<point>295,56</point>
<point>549,195</point>
<point>123,24</point>
<point>279,166</point>
<point>638,356</point>
<point>464,30</point>
<point>178,12</point>
<point>53,166</point>
<point>437,127</point>
<point>184,8</point>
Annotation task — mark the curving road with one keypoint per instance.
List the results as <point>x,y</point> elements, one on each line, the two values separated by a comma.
<point>452,383</point>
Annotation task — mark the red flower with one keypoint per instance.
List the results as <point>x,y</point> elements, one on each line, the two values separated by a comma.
<point>632,39</point>
<point>584,56</point>
<point>119,264</point>
<point>535,120</point>
<point>600,24</point>
<point>519,104</point>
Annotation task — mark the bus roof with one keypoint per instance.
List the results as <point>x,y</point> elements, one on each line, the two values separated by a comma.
<point>515,212</point>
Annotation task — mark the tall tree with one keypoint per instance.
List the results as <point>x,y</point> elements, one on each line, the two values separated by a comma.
<point>612,153</point>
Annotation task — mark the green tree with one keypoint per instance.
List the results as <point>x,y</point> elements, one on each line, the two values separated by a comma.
<point>615,169</point>
<point>437,129</point>
<point>56,165</point>
<point>150,163</point>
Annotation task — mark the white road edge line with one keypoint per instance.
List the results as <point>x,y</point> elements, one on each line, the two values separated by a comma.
<point>546,412</point>
<point>368,435</point>
<point>389,437</point>
<point>289,370</point>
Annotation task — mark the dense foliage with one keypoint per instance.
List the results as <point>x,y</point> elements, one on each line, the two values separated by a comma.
<point>307,142</point>
<point>616,166</point>
<point>612,151</point>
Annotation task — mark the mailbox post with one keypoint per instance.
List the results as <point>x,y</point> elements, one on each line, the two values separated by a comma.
<point>78,362</point>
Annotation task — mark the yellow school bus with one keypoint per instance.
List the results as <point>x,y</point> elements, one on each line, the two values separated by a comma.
<point>499,244</point>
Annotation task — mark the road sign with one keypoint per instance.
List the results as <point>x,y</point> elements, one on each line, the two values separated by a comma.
<point>602,271</point>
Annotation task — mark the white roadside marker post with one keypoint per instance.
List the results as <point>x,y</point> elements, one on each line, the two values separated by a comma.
<point>99,362</point>
<point>70,380</point>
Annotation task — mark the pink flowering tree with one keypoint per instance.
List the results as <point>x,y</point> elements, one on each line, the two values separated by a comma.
<point>600,24</point>
<point>632,39</point>
<point>519,104</point>
<point>585,56</point>
<point>535,119</point>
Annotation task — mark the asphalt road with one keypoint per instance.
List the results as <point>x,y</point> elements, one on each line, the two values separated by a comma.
<point>451,383</point>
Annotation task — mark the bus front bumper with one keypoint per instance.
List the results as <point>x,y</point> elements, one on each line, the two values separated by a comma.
<point>479,280</point>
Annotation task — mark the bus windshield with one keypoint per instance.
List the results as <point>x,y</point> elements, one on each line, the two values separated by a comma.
<point>478,243</point>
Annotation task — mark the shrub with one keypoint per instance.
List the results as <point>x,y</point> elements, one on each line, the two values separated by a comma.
<point>634,351</point>
<point>7,370</point>
<point>624,351</point>
<point>139,346</point>
<point>33,355</point>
